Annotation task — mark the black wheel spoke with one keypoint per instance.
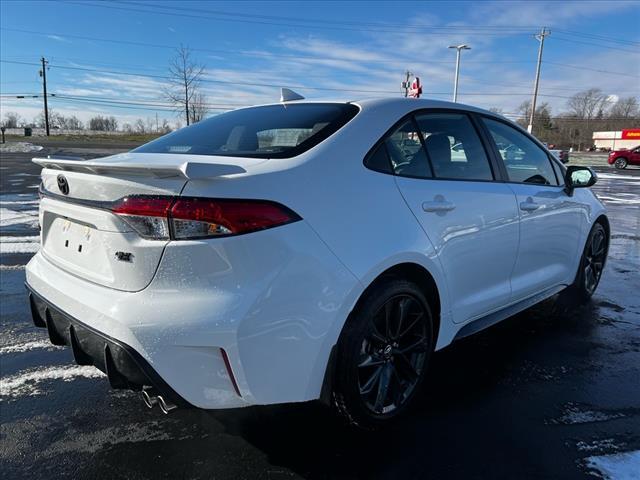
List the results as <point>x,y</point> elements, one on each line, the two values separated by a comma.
<point>371,383</point>
<point>415,322</point>
<point>370,361</point>
<point>388,312</point>
<point>405,369</point>
<point>383,388</point>
<point>418,346</point>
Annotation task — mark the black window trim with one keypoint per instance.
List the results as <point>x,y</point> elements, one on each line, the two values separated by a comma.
<point>494,164</point>
<point>498,157</point>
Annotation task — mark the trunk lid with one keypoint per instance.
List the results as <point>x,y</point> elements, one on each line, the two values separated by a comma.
<point>82,237</point>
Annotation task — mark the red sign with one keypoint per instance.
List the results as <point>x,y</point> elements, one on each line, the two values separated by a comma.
<point>416,89</point>
<point>631,134</point>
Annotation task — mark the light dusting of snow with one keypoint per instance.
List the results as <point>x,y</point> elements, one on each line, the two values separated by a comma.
<point>618,177</point>
<point>30,244</point>
<point>27,346</point>
<point>11,217</point>
<point>619,466</point>
<point>29,383</point>
<point>20,147</point>
<point>574,414</point>
<point>605,445</point>
<point>12,267</point>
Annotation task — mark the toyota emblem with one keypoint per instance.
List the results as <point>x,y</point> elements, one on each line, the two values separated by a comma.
<point>63,185</point>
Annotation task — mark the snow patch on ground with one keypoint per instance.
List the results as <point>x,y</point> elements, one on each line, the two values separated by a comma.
<point>618,177</point>
<point>20,147</point>
<point>605,445</point>
<point>29,383</point>
<point>11,217</point>
<point>12,267</point>
<point>623,201</point>
<point>620,466</point>
<point>30,244</point>
<point>574,414</point>
<point>27,346</point>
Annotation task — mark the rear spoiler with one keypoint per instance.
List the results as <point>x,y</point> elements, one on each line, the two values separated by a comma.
<point>187,170</point>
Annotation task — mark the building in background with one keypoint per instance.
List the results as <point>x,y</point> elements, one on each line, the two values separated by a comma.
<point>617,140</point>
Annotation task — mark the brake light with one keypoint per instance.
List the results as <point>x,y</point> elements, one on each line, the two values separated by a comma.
<point>181,218</point>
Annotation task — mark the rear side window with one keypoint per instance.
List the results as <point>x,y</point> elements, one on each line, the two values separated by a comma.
<point>406,153</point>
<point>453,147</point>
<point>273,131</point>
<point>525,161</point>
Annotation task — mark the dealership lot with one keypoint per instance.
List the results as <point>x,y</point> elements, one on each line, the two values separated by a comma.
<point>548,393</point>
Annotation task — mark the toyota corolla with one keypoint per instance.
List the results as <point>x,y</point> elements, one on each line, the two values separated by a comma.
<point>307,250</point>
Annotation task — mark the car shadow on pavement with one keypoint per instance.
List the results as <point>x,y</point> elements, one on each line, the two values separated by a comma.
<point>471,413</point>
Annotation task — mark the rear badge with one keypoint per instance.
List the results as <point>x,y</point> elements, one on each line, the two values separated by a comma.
<point>124,256</point>
<point>63,185</point>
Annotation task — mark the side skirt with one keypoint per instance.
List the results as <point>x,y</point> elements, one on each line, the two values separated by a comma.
<point>479,324</point>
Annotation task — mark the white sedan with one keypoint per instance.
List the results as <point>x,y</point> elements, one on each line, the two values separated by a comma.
<point>305,250</point>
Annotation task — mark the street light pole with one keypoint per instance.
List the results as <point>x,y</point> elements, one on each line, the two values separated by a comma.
<point>455,82</point>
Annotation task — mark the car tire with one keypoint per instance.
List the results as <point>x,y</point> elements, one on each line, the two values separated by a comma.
<point>383,354</point>
<point>620,163</point>
<point>592,264</point>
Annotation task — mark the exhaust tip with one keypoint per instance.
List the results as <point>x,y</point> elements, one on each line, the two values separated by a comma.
<point>166,406</point>
<point>149,397</point>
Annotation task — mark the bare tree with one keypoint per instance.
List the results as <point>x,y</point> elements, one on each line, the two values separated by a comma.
<point>105,124</point>
<point>588,104</point>
<point>543,117</point>
<point>11,120</point>
<point>625,108</point>
<point>184,81</point>
<point>140,126</point>
<point>198,108</point>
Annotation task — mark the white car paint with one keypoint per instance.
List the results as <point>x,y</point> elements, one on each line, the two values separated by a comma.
<point>276,300</point>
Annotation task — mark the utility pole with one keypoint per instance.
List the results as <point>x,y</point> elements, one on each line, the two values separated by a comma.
<point>43,74</point>
<point>458,48</point>
<point>540,37</point>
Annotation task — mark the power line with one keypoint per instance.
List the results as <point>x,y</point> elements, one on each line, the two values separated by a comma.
<point>238,52</point>
<point>563,39</point>
<point>301,57</point>
<point>597,37</point>
<point>173,12</point>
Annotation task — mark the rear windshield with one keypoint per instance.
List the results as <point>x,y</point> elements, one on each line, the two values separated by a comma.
<point>274,131</point>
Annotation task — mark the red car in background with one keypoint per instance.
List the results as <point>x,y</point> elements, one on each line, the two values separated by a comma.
<point>621,158</point>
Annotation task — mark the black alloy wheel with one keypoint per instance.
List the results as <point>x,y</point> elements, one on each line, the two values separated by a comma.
<point>383,353</point>
<point>594,258</point>
<point>393,354</point>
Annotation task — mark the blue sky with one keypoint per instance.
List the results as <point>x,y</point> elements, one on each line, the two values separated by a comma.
<point>337,50</point>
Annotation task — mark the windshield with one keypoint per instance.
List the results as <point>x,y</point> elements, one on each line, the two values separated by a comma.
<point>273,131</point>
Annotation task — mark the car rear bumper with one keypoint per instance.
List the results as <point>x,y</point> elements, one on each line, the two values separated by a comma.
<point>223,324</point>
<point>124,366</point>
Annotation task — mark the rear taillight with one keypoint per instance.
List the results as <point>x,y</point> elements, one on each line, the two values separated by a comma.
<point>182,218</point>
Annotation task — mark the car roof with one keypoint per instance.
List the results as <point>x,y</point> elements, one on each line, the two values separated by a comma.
<point>395,104</point>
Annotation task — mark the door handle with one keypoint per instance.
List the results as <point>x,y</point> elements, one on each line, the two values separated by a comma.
<point>438,206</point>
<point>529,206</point>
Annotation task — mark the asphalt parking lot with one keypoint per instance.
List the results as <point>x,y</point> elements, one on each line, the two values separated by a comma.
<point>545,394</point>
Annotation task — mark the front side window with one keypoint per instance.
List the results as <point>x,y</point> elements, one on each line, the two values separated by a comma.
<point>272,131</point>
<point>453,147</point>
<point>525,161</point>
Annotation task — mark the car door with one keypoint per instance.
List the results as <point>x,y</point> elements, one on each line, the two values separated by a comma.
<point>447,180</point>
<point>550,219</point>
<point>635,156</point>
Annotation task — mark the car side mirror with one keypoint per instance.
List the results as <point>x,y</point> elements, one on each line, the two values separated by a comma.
<point>579,177</point>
